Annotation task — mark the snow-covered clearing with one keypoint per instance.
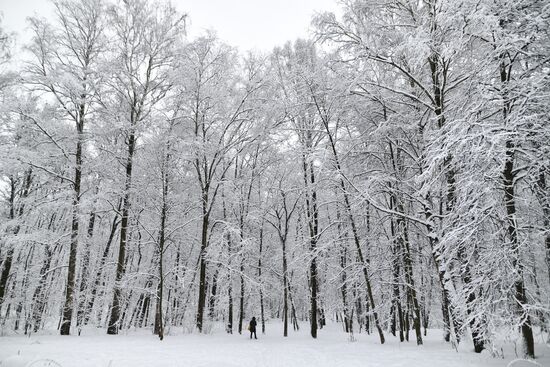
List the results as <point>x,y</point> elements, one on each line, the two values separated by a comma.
<point>331,349</point>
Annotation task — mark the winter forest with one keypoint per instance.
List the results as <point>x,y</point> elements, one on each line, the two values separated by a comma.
<point>386,180</point>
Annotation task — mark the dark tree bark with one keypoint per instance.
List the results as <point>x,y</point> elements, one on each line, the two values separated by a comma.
<point>84,272</point>
<point>293,315</point>
<point>520,294</point>
<point>262,315</point>
<point>285,289</point>
<point>411,289</point>
<point>71,272</point>
<point>401,238</point>
<point>544,199</point>
<point>213,294</point>
<point>342,235</point>
<point>165,175</point>
<point>312,214</point>
<point>114,319</point>
<point>241,297</point>
<point>508,178</point>
<point>229,327</point>
<point>203,263</point>
<point>396,309</point>
<point>159,325</point>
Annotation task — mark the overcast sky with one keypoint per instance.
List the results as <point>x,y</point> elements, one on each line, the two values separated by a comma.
<point>260,24</point>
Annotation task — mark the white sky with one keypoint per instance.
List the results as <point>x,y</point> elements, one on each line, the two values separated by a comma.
<point>259,24</point>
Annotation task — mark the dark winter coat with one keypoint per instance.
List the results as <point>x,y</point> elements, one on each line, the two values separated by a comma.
<point>252,326</point>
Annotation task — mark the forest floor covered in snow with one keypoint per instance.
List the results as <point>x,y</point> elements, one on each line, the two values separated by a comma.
<point>332,348</point>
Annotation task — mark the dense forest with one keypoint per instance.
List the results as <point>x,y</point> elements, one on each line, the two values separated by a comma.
<point>390,174</point>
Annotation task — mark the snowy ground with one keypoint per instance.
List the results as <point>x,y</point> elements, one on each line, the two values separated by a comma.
<point>332,348</point>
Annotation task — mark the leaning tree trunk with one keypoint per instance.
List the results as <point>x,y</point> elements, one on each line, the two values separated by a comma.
<point>23,298</point>
<point>39,303</point>
<point>6,268</point>
<point>364,262</point>
<point>342,237</point>
<point>97,277</point>
<point>344,292</point>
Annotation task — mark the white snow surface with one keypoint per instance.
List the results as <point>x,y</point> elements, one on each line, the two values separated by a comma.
<point>332,348</point>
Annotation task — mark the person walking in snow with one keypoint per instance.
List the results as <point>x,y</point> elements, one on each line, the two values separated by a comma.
<point>252,328</point>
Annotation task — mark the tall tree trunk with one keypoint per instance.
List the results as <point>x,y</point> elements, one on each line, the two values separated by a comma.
<point>433,240</point>
<point>282,224</point>
<point>411,289</point>
<point>342,237</point>
<point>285,289</point>
<point>344,291</point>
<point>477,335</point>
<point>159,326</point>
<point>262,316</point>
<point>439,78</point>
<point>397,311</point>
<point>229,327</point>
<point>426,299</point>
<point>313,227</point>
<point>81,309</point>
<point>159,320</point>
<point>71,272</point>
<point>202,270</point>
<point>520,294</point>
<point>230,308</point>
<point>401,237</point>
<point>114,319</point>
<point>508,177</point>
<point>544,198</point>
<point>241,298</point>
<point>213,294</point>
<point>294,317</point>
